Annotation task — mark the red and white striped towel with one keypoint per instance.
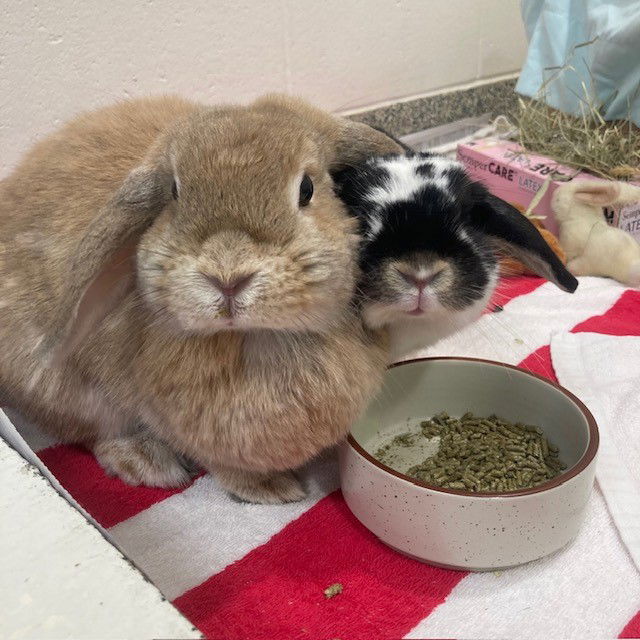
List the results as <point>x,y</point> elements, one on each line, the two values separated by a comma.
<point>240,571</point>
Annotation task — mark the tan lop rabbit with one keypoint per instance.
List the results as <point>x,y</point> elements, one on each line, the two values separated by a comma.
<point>176,281</point>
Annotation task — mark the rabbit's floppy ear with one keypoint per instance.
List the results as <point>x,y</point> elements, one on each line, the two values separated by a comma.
<point>347,142</point>
<point>514,233</point>
<point>355,141</point>
<point>103,266</point>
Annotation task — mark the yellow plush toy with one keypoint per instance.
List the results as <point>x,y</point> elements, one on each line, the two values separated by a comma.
<point>593,247</point>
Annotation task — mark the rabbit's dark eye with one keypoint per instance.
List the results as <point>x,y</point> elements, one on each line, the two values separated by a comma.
<point>174,190</point>
<point>306,191</point>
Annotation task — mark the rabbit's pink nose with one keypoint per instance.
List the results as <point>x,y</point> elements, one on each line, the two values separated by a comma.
<point>231,288</point>
<point>420,282</point>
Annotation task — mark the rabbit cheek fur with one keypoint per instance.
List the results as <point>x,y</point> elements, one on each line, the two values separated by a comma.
<point>46,206</point>
<point>194,199</point>
<point>429,236</point>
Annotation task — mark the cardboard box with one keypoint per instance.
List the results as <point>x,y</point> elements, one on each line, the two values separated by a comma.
<point>516,177</point>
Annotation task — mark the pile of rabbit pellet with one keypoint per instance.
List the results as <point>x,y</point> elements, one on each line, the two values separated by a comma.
<point>479,454</point>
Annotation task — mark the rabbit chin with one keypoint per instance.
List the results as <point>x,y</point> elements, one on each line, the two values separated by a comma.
<point>211,320</point>
<point>412,334</point>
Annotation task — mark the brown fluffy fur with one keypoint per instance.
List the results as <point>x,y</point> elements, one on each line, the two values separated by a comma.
<point>106,318</point>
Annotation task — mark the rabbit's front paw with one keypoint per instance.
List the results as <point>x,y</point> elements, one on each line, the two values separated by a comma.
<point>260,488</point>
<point>142,460</point>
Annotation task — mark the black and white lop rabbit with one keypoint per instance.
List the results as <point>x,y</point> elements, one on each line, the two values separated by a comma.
<point>430,237</point>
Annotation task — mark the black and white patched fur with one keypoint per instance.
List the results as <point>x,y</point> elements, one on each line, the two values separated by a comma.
<point>429,239</point>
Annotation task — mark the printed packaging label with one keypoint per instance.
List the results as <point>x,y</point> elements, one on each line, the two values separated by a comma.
<point>516,177</point>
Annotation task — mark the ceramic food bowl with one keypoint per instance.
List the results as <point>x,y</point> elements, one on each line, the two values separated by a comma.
<point>459,529</point>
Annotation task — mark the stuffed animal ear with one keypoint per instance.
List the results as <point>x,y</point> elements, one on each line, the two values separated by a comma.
<point>103,267</point>
<point>517,236</point>
<point>605,193</point>
<point>596,192</point>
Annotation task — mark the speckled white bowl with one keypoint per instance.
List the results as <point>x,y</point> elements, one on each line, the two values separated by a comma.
<point>459,529</point>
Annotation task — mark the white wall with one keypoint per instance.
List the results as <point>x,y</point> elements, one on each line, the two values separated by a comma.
<point>58,57</point>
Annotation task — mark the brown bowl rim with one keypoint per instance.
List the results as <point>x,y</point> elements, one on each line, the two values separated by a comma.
<point>586,459</point>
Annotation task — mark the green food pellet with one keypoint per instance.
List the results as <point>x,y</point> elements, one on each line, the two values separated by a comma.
<point>479,454</point>
<point>333,590</point>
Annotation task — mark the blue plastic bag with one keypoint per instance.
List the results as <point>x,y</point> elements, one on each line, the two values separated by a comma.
<point>609,67</point>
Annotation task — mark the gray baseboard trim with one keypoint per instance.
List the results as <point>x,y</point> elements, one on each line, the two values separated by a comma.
<point>402,118</point>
